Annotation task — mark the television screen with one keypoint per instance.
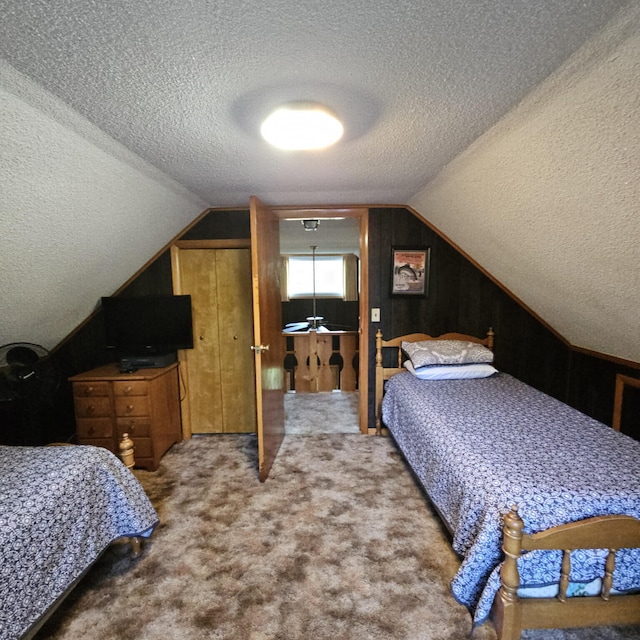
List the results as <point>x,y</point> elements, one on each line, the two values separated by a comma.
<point>148,325</point>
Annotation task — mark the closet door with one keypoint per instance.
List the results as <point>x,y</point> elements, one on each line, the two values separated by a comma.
<point>219,369</point>
<point>235,337</point>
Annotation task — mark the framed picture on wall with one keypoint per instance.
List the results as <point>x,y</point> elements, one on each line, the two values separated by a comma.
<point>410,271</point>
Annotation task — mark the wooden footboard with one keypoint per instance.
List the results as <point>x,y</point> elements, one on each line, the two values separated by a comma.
<point>512,614</point>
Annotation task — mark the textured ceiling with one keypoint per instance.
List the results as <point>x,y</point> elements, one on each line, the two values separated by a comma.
<point>185,84</point>
<point>420,85</point>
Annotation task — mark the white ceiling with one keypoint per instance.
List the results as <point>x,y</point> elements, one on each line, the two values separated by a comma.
<point>431,93</point>
<point>186,84</point>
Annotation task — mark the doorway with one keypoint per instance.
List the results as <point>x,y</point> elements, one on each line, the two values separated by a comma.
<point>338,232</point>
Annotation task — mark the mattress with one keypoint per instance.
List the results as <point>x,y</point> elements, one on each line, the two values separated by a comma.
<point>60,508</point>
<point>480,446</point>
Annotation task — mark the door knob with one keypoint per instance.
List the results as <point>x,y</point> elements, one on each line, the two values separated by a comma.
<point>259,348</point>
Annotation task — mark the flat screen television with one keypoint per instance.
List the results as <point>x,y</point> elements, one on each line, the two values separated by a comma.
<point>147,325</point>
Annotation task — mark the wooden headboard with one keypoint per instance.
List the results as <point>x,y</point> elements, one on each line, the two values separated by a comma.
<point>384,373</point>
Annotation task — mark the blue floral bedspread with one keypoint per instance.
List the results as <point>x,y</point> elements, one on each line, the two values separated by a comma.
<point>60,508</point>
<point>480,446</point>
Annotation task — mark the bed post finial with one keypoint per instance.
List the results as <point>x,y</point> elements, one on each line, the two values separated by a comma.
<point>511,545</point>
<point>490,336</point>
<point>506,612</point>
<point>125,447</point>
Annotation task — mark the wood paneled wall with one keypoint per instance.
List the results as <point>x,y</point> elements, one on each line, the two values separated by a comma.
<point>85,348</point>
<point>461,298</point>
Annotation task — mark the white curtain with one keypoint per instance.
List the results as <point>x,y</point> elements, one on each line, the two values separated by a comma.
<point>284,278</point>
<point>350,277</point>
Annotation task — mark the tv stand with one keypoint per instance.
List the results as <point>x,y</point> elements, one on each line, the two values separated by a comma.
<point>144,404</point>
<point>151,361</point>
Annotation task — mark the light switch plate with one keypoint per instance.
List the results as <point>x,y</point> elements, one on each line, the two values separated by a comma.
<point>375,315</point>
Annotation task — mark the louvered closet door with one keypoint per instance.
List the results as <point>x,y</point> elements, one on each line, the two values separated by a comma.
<point>220,370</point>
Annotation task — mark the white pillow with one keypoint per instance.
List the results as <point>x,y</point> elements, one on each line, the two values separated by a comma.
<point>428,352</point>
<point>451,372</point>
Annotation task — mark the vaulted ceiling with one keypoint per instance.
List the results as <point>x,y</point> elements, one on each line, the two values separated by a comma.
<point>430,93</point>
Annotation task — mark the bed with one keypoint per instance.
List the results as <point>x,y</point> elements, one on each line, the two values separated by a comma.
<point>518,478</point>
<point>60,508</point>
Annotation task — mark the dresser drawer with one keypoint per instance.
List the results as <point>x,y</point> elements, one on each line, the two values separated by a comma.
<point>94,428</point>
<point>135,426</point>
<point>90,389</point>
<point>133,388</point>
<point>93,407</point>
<point>131,406</point>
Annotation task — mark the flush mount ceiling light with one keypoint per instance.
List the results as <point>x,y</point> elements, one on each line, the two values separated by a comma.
<point>302,126</point>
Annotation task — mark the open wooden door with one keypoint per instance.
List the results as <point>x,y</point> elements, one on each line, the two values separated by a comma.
<point>267,333</point>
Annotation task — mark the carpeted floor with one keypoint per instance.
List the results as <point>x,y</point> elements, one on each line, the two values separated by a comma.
<point>338,544</point>
<point>325,412</point>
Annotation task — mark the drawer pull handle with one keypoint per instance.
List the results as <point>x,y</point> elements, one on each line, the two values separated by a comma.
<point>129,408</point>
<point>128,390</point>
<point>89,390</point>
<point>90,408</point>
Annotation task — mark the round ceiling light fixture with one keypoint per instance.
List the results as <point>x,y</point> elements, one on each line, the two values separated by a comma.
<point>298,126</point>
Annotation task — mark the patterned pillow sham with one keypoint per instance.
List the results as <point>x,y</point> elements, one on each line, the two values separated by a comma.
<point>451,372</point>
<point>437,352</point>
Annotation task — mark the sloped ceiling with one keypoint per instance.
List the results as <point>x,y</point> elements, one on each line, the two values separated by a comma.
<point>548,199</point>
<point>184,86</point>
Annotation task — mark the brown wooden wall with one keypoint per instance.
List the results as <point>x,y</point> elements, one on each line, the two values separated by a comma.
<point>85,348</point>
<point>461,298</point>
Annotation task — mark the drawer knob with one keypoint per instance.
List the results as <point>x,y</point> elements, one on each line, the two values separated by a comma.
<point>129,408</point>
<point>91,431</point>
<point>128,390</point>
<point>90,408</point>
<point>89,391</point>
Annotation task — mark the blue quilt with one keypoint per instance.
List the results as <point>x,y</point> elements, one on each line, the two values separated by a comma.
<point>480,446</point>
<point>60,508</point>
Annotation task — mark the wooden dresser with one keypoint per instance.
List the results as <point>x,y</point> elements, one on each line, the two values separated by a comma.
<point>145,404</point>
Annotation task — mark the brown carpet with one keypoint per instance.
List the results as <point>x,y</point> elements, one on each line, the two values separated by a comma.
<point>339,544</point>
<point>325,412</point>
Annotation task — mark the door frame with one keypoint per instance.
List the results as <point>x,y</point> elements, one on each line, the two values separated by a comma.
<point>362,213</point>
<point>176,248</point>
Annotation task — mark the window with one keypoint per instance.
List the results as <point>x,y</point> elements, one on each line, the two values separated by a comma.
<point>329,276</point>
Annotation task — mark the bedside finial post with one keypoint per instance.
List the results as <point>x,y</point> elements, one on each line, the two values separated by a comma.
<point>126,451</point>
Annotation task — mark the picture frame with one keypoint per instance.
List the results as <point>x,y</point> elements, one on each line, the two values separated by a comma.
<point>410,270</point>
